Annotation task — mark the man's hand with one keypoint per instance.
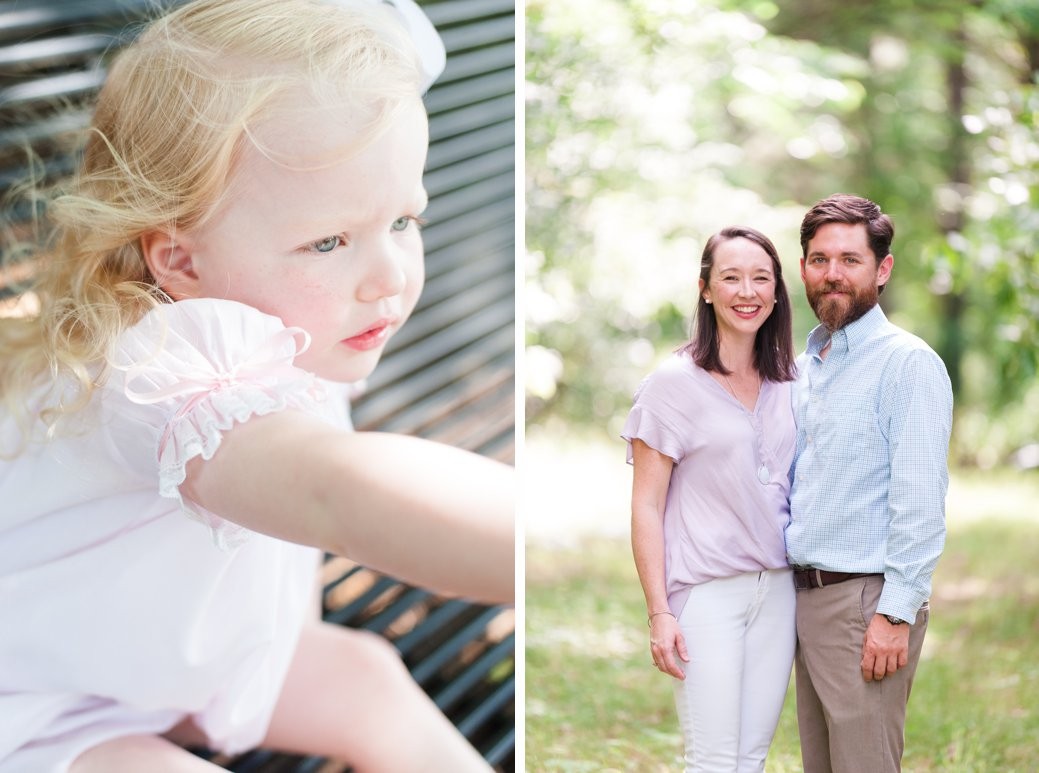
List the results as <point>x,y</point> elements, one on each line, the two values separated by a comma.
<point>885,648</point>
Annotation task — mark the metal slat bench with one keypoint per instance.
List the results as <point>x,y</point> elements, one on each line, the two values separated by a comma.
<point>448,375</point>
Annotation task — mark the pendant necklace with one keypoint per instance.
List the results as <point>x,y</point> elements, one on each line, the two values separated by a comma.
<point>764,476</point>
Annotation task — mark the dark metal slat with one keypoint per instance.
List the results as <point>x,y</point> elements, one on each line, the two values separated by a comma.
<point>474,673</point>
<point>399,409</point>
<point>503,749</point>
<point>449,649</point>
<point>348,613</point>
<point>471,145</point>
<point>448,12</point>
<point>45,128</point>
<point>72,84</point>
<point>500,56</point>
<point>491,705</point>
<point>483,194</point>
<point>457,307</point>
<point>471,91</point>
<point>492,224</point>
<point>23,18</point>
<point>493,29</point>
<point>455,121</point>
<point>51,52</point>
<point>446,342</point>
<point>494,167</point>
<point>410,598</point>
<point>441,617</point>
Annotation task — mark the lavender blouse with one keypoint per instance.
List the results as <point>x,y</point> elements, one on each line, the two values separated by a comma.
<point>728,499</point>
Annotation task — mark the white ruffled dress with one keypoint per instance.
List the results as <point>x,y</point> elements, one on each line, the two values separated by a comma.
<point>123,608</point>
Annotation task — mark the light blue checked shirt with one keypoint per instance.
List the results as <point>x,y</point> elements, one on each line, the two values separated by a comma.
<point>870,469</point>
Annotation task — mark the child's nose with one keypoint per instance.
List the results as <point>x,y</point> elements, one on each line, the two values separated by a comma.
<point>384,275</point>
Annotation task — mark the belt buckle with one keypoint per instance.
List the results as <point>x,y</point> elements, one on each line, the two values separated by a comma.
<point>802,578</point>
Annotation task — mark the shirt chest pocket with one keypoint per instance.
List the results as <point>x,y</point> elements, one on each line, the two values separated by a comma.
<point>849,434</point>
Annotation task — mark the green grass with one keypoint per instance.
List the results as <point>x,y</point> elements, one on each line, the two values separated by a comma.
<point>595,703</point>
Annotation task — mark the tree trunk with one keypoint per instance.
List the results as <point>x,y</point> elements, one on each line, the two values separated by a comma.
<point>951,345</point>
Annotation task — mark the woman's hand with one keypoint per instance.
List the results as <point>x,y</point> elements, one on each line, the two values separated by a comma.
<point>665,641</point>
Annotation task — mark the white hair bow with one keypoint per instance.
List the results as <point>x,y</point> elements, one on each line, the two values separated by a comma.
<point>424,36</point>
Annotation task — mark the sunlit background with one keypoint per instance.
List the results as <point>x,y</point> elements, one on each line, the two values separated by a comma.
<point>651,124</point>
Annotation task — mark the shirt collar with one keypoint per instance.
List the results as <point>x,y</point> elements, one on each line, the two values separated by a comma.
<point>849,336</point>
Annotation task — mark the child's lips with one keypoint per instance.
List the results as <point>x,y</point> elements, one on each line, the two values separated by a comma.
<point>373,336</point>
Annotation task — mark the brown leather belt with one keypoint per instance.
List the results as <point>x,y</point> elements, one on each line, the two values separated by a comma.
<point>806,577</point>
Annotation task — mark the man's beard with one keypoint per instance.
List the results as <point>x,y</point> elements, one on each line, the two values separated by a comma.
<point>836,313</point>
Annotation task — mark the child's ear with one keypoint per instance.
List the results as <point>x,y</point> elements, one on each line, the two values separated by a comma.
<point>170,261</point>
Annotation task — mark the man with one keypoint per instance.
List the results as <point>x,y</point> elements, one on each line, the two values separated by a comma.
<point>873,406</point>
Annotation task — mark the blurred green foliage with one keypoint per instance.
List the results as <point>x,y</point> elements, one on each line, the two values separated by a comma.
<point>650,124</point>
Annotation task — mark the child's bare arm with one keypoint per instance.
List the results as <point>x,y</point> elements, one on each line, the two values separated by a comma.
<point>423,512</point>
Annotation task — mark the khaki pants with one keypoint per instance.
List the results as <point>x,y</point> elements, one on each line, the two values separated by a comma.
<point>848,725</point>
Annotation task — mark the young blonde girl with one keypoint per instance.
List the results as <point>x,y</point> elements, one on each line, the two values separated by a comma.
<point>238,247</point>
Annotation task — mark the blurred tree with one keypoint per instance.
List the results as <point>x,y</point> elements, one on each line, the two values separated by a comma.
<point>630,146</point>
<point>965,163</point>
<point>666,119</point>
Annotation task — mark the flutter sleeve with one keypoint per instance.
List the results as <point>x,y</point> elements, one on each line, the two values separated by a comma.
<point>654,417</point>
<point>185,375</point>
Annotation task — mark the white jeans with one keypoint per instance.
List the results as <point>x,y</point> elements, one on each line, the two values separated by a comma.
<point>740,635</point>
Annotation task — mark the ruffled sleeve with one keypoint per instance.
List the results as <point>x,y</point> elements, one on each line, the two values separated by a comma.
<point>187,373</point>
<point>654,417</point>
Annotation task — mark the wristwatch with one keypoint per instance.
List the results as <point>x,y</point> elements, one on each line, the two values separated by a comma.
<point>895,620</point>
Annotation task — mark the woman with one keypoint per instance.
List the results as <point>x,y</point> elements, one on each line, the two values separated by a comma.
<point>711,438</point>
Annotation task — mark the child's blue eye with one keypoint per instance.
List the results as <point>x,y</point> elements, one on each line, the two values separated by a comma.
<point>401,223</point>
<point>325,245</point>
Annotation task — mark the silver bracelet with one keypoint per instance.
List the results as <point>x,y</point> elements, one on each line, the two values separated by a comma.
<point>649,620</point>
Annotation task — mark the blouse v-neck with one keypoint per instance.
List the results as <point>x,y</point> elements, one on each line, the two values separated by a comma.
<point>729,393</point>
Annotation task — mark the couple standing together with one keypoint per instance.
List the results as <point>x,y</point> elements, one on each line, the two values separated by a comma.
<point>788,512</point>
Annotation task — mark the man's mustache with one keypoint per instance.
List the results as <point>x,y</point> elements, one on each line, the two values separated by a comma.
<point>835,287</point>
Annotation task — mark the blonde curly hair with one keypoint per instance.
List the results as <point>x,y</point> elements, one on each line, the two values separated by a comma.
<point>171,120</point>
